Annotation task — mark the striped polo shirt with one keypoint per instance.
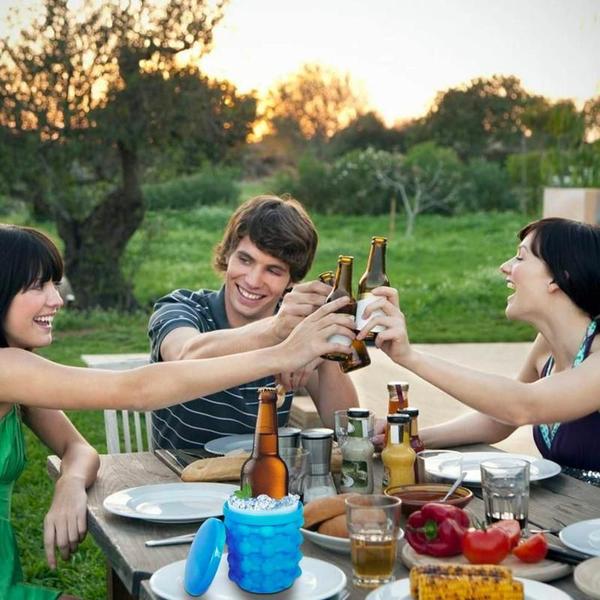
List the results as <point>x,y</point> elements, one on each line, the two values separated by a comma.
<point>231,411</point>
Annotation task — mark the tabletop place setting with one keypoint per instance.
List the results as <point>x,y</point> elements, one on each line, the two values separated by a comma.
<point>323,513</point>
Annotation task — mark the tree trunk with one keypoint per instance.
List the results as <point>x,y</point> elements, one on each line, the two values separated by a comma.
<point>94,246</point>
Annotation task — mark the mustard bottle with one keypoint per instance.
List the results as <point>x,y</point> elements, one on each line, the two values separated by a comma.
<point>398,457</point>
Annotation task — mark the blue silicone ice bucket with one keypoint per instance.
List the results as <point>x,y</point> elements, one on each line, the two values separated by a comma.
<point>263,548</point>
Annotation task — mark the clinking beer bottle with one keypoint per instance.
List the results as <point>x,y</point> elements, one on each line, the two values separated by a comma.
<point>359,356</point>
<point>373,277</point>
<point>342,286</point>
<point>265,471</point>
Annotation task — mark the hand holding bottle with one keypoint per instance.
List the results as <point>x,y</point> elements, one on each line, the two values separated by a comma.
<point>309,339</point>
<point>394,339</point>
<point>299,303</point>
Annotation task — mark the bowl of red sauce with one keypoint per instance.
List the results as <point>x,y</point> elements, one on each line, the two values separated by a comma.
<point>415,495</point>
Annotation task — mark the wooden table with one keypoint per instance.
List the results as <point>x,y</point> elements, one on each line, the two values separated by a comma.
<point>130,563</point>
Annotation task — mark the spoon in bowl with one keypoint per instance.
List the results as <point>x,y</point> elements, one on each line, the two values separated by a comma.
<point>454,486</point>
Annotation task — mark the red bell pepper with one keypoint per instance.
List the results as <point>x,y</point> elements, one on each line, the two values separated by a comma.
<point>437,529</point>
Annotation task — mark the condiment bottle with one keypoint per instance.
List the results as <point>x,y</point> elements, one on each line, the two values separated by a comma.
<point>319,481</point>
<point>398,457</point>
<point>397,396</point>
<point>357,454</point>
<point>374,276</point>
<point>416,443</point>
<point>265,471</point>
<point>342,287</point>
<point>397,400</point>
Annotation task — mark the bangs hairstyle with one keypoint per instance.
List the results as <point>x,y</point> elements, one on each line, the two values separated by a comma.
<point>571,250</point>
<point>279,227</point>
<point>26,256</point>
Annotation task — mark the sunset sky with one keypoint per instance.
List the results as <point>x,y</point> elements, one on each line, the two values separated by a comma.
<point>401,52</point>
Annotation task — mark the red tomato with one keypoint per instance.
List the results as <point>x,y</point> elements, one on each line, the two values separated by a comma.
<point>486,546</point>
<point>532,549</point>
<point>511,528</point>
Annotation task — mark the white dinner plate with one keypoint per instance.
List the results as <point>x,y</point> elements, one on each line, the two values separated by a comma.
<point>331,542</point>
<point>583,536</point>
<point>540,468</point>
<point>587,577</point>
<point>319,580</point>
<point>534,590</point>
<point>171,502</point>
<point>229,443</point>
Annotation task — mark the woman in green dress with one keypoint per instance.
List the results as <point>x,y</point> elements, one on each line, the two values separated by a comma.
<point>34,390</point>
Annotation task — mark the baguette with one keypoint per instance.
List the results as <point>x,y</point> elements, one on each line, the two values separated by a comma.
<point>221,468</point>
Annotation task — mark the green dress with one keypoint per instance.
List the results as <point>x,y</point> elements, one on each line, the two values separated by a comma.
<point>12,463</point>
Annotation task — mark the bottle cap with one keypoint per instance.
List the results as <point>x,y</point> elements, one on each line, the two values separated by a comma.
<point>204,557</point>
<point>398,418</point>
<point>411,411</point>
<point>357,413</point>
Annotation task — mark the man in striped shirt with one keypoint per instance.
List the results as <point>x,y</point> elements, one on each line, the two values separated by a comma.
<point>268,246</point>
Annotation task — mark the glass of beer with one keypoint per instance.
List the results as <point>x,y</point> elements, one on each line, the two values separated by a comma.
<point>373,525</point>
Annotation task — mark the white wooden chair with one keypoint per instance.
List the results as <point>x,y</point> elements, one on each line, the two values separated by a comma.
<point>114,436</point>
<point>120,435</point>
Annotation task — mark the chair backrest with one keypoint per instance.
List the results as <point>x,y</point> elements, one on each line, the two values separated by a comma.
<point>121,434</point>
<point>115,434</point>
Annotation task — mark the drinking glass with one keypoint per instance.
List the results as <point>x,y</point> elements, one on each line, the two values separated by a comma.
<point>505,488</point>
<point>373,524</point>
<point>438,466</point>
<point>296,460</point>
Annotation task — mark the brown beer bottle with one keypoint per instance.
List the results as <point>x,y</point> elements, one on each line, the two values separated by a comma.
<point>359,356</point>
<point>373,277</point>
<point>265,471</point>
<point>342,286</point>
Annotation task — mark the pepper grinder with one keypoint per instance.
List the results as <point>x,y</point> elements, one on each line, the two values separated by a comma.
<point>319,482</point>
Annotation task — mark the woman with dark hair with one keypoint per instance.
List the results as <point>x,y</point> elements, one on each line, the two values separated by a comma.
<point>31,387</point>
<point>555,276</point>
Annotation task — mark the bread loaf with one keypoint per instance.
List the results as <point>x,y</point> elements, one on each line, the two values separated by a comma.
<point>222,468</point>
<point>322,509</point>
<point>336,527</point>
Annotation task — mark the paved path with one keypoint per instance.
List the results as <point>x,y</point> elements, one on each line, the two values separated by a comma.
<point>435,406</point>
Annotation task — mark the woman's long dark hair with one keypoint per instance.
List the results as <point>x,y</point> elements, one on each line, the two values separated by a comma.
<point>572,252</point>
<point>26,256</point>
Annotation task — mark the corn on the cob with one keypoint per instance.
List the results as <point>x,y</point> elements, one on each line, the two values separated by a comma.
<point>463,582</point>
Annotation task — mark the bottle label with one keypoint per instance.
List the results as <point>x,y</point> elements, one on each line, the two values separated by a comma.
<point>355,475</point>
<point>363,301</point>
<point>339,339</point>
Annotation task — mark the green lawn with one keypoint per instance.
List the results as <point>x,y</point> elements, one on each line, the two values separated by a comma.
<point>449,284</point>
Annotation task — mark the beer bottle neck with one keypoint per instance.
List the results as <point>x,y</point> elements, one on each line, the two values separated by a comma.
<point>343,278</point>
<point>265,436</point>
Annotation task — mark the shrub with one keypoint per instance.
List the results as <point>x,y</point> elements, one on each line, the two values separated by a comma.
<point>487,187</point>
<point>311,184</point>
<point>212,185</point>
